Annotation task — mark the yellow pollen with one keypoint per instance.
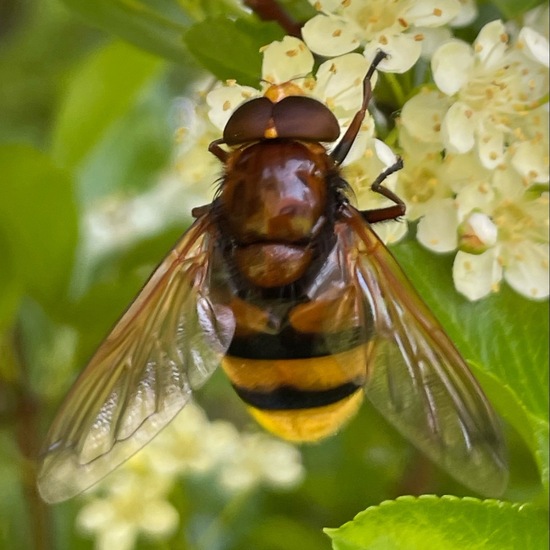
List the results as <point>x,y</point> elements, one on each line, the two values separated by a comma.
<point>437,12</point>
<point>468,266</point>
<point>346,3</point>
<point>437,127</point>
<point>483,188</point>
<point>493,155</point>
<point>226,105</point>
<point>337,33</point>
<point>292,53</point>
<point>231,82</point>
<point>504,38</point>
<point>533,174</point>
<point>418,37</point>
<point>309,84</point>
<point>518,133</point>
<point>333,69</point>
<point>478,48</point>
<point>402,22</point>
<point>383,40</point>
<point>468,113</point>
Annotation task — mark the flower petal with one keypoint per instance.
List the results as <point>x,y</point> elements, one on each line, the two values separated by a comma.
<point>423,114</point>
<point>326,5</point>
<point>535,44</point>
<point>403,51</point>
<point>159,518</point>
<point>330,36</point>
<point>467,14</point>
<point>95,515</point>
<point>224,100</point>
<point>491,43</point>
<point>530,159</point>
<point>286,60</point>
<point>490,145</point>
<point>391,231</point>
<point>423,13</point>
<point>457,129</point>
<point>433,39</point>
<point>437,230</point>
<point>339,82</point>
<point>120,536</point>
<point>528,273</point>
<point>476,276</point>
<point>451,66</point>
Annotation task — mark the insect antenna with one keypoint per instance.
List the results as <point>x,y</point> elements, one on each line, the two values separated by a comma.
<point>340,152</point>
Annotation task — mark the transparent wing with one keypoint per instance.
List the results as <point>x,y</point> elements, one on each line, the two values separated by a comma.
<point>416,377</point>
<point>166,344</point>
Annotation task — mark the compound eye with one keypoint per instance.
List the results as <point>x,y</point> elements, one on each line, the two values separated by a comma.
<point>249,122</point>
<point>306,119</point>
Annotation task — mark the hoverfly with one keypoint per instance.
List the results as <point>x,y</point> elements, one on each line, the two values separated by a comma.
<point>285,284</point>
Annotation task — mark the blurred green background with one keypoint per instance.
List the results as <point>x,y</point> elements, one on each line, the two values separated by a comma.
<point>87,121</point>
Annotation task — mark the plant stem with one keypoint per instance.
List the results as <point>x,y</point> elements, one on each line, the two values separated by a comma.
<point>27,415</point>
<point>271,10</point>
<point>396,88</point>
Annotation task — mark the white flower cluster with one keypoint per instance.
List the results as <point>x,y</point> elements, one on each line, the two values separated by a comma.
<point>474,142</point>
<point>476,157</point>
<point>135,498</point>
<point>401,28</point>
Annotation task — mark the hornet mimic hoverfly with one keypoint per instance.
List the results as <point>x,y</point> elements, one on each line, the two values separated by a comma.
<point>284,283</point>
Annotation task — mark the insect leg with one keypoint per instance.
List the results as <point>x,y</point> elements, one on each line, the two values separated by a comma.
<point>388,212</point>
<point>217,151</point>
<point>340,152</point>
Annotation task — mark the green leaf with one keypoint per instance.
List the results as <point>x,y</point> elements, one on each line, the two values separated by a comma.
<point>38,220</point>
<point>504,337</point>
<point>446,523</point>
<point>231,49</point>
<point>284,533</point>
<point>155,26</point>
<point>105,87</point>
<point>513,8</point>
<point>48,350</point>
<point>133,150</point>
<point>10,285</point>
<point>13,509</point>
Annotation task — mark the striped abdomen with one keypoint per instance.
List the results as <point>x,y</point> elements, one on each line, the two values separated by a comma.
<point>304,379</point>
